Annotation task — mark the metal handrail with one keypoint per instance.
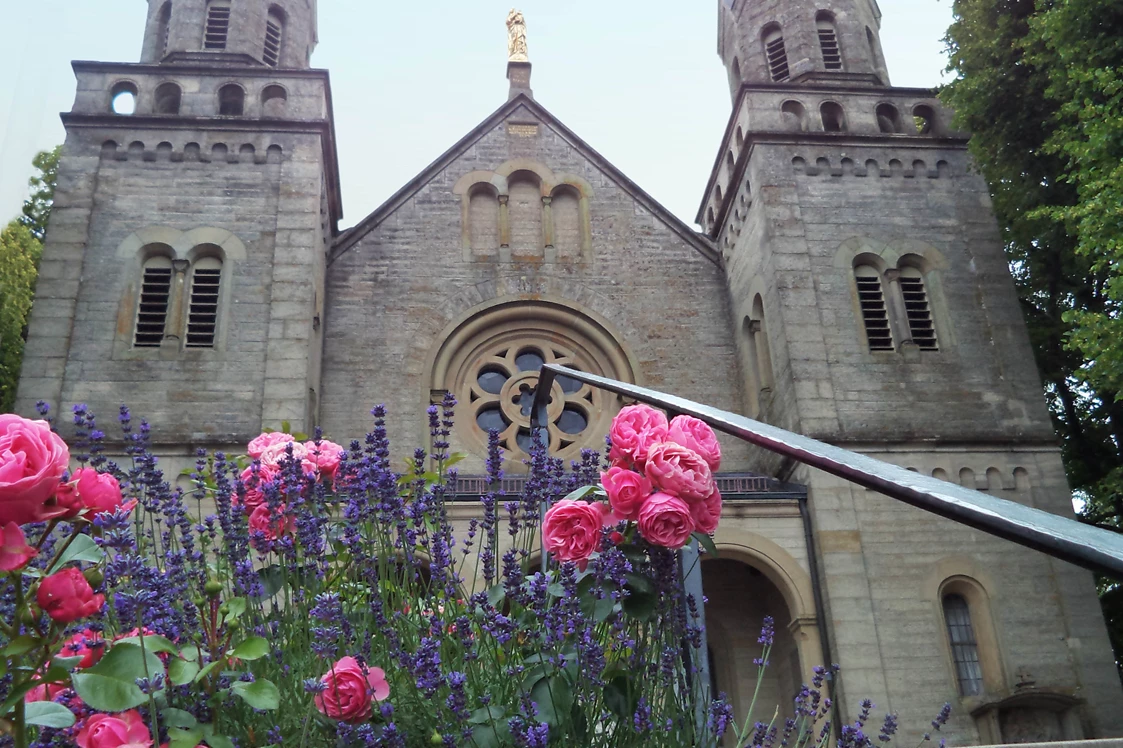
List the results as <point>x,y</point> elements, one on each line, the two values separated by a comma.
<point>1067,539</point>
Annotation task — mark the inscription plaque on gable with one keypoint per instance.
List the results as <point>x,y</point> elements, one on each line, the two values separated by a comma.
<point>523,131</point>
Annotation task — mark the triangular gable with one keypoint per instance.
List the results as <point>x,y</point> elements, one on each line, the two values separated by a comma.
<point>350,237</point>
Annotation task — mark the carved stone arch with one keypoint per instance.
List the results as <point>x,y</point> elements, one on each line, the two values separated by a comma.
<point>464,185</point>
<point>492,338</point>
<point>232,247</point>
<point>545,175</point>
<point>883,255</point>
<point>568,225</point>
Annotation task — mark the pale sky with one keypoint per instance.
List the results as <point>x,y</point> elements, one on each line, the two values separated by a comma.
<point>639,81</point>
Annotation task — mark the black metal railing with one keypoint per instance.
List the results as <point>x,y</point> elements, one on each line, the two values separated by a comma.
<point>1067,539</point>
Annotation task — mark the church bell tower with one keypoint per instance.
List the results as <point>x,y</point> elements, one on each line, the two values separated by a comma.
<point>874,309</point>
<point>197,197</point>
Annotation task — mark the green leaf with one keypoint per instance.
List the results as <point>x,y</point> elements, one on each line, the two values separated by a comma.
<point>253,648</point>
<point>207,670</point>
<point>486,714</point>
<point>217,741</point>
<point>66,663</point>
<point>580,493</point>
<point>272,580</point>
<point>19,646</point>
<point>706,542</point>
<point>286,428</point>
<point>556,589</point>
<point>179,718</point>
<point>616,698</point>
<point>152,643</point>
<point>110,685</point>
<point>182,672</point>
<point>495,595</point>
<point>82,548</point>
<point>48,714</point>
<point>494,735</point>
<point>638,584</point>
<point>261,694</point>
<point>554,698</point>
<point>455,459</point>
<point>235,608</point>
<point>184,738</point>
<point>640,606</point>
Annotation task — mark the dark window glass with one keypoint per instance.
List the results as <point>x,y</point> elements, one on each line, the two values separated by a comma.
<point>530,360</point>
<point>492,380</point>
<point>964,647</point>
<point>491,419</point>
<point>572,421</point>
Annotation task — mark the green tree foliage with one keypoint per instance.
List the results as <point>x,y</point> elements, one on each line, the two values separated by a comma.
<point>37,208</point>
<point>19,257</point>
<point>1038,84</point>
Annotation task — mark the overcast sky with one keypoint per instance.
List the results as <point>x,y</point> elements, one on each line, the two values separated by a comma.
<point>639,81</point>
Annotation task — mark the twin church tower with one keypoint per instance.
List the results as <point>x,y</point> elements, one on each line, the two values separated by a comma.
<point>846,280</point>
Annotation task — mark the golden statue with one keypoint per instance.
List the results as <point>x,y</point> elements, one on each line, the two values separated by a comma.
<point>516,37</point>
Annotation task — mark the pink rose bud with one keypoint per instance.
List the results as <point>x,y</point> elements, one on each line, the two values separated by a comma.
<point>634,429</point>
<point>260,443</point>
<point>707,513</point>
<point>697,435</point>
<point>665,520</point>
<point>571,529</point>
<point>626,491</point>
<point>32,462</point>
<point>66,596</point>
<point>14,551</point>
<point>98,492</point>
<point>124,730</point>
<point>349,688</point>
<point>680,471</point>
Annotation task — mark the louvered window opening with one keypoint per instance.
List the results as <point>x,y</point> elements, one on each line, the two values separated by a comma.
<point>272,53</point>
<point>777,59</point>
<point>152,313</point>
<point>919,313</point>
<point>832,57</point>
<point>875,315</point>
<point>218,27</point>
<point>964,647</point>
<point>202,317</point>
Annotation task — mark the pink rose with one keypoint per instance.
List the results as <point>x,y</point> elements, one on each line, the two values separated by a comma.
<point>571,529</point>
<point>125,730</point>
<point>697,435</point>
<point>276,455</point>
<point>98,492</point>
<point>626,491</point>
<point>707,513</point>
<point>260,443</point>
<point>44,691</point>
<point>266,525</point>
<point>326,456</point>
<point>14,551</point>
<point>67,499</point>
<point>88,644</point>
<point>680,471</point>
<point>66,596</point>
<point>634,429</point>
<point>255,478</point>
<point>665,520</point>
<point>32,462</point>
<point>349,688</point>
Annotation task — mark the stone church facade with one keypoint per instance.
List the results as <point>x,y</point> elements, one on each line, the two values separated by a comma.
<point>848,283</point>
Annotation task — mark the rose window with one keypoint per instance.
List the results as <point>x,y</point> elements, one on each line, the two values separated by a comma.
<point>502,391</point>
<point>491,362</point>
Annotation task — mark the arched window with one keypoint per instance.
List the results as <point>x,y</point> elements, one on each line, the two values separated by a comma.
<point>834,119</point>
<point>730,163</point>
<point>202,310</point>
<point>964,645</point>
<point>168,97</point>
<point>794,116</point>
<point>828,42</point>
<point>231,100</point>
<point>875,314</point>
<point>152,307</point>
<point>164,28</point>
<point>217,25</point>
<point>525,214</point>
<point>763,350</point>
<point>273,101</point>
<point>916,307</point>
<point>483,220</point>
<point>122,98</point>
<point>274,37</point>
<point>925,119</point>
<point>737,72</point>
<point>569,228</point>
<point>775,53</point>
<point>888,118</point>
<point>875,58</point>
